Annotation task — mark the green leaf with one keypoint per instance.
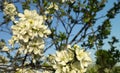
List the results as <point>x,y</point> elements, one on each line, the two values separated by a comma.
<point>25,5</point>
<point>35,1</point>
<point>62,36</point>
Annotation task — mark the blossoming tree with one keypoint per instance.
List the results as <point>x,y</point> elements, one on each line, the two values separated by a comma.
<point>38,26</point>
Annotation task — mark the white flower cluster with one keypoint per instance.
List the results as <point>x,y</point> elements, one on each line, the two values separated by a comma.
<point>30,32</point>
<point>73,60</point>
<point>5,48</point>
<point>10,10</point>
<point>46,72</point>
<point>26,70</point>
<point>52,7</point>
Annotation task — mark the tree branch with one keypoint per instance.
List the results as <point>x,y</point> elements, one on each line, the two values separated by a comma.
<point>78,33</point>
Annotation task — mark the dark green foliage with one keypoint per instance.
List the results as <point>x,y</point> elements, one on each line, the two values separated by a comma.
<point>107,58</point>
<point>26,4</point>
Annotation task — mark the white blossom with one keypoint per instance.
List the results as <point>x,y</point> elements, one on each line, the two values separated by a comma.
<point>83,57</point>
<point>63,57</point>
<point>26,70</point>
<point>71,60</point>
<point>46,71</point>
<point>10,10</point>
<point>5,48</point>
<point>54,6</point>
<point>30,15</point>
<point>30,32</point>
<point>68,46</point>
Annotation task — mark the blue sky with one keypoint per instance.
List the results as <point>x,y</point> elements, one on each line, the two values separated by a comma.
<point>114,32</point>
